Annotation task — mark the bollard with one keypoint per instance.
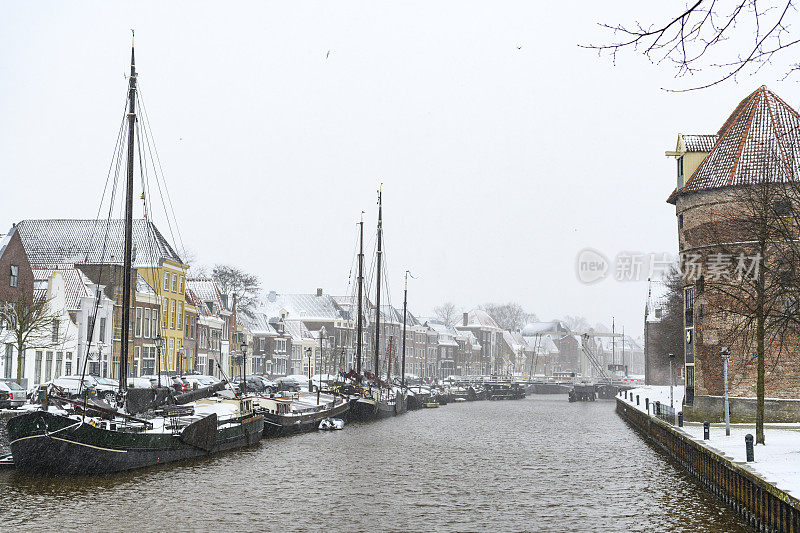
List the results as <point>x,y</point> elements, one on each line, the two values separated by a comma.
<point>748,444</point>
<point>637,399</point>
<point>626,394</point>
<point>657,408</point>
<point>705,430</point>
<point>647,405</point>
<point>680,419</point>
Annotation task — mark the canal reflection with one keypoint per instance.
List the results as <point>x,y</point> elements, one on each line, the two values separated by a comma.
<point>539,464</point>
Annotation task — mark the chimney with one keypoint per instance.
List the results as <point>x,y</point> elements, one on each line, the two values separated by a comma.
<point>466,319</point>
<point>319,292</point>
<point>272,296</point>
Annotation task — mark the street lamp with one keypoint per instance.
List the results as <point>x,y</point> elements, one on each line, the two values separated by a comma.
<point>725,354</point>
<point>308,354</point>
<point>159,341</point>
<point>244,359</point>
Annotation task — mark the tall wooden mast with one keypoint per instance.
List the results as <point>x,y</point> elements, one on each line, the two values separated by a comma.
<point>359,320</point>
<point>378,292</point>
<point>126,281</point>
<point>405,314</point>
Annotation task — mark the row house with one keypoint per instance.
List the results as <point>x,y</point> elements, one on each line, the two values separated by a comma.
<point>488,334</point>
<point>569,356</point>
<point>269,344</point>
<point>304,348</point>
<point>213,327</point>
<point>146,331</point>
<point>16,284</point>
<point>514,353</point>
<point>542,356</point>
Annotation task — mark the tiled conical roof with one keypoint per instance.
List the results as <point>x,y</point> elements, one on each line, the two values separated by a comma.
<point>760,140</point>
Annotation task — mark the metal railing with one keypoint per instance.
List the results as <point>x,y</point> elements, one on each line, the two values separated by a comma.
<point>664,412</point>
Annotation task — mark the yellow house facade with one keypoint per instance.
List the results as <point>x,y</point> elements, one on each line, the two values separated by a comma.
<point>168,279</point>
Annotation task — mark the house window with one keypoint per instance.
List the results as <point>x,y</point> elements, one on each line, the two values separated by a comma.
<point>38,368</point>
<point>261,344</point>
<point>146,327</point>
<point>102,329</point>
<point>13,280</point>
<point>171,348</point>
<point>149,361</point>
<point>137,360</point>
<point>690,385</point>
<point>55,330</point>
<point>174,283</point>
<point>166,281</point>
<point>138,322</point>
<point>172,315</point>
<point>164,313</point>
<point>658,313</point>
<point>280,345</point>
<point>689,306</point>
<point>180,315</point>
<point>48,368</point>
<point>155,323</point>
<point>180,286</point>
<point>68,367</point>
<point>59,363</point>
<point>680,221</point>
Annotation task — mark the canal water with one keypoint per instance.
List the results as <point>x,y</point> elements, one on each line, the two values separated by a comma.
<point>539,464</point>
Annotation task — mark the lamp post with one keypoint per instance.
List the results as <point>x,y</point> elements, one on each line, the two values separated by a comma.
<point>308,354</point>
<point>671,381</point>
<point>725,353</point>
<point>181,355</point>
<point>241,369</point>
<point>159,342</point>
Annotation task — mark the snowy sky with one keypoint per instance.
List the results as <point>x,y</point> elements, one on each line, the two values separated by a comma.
<point>503,148</point>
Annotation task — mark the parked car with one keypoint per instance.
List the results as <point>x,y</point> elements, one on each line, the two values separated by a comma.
<point>200,381</point>
<point>12,395</point>
<point>71,385</point>
<point>289,383</point>
<point>256,383</point>
<point>139,383</point>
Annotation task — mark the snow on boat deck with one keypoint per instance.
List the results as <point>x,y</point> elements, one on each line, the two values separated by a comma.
<point>778,461</point>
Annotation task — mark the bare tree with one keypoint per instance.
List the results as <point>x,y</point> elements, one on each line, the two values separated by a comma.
<point>665,336</point>
<point>758,301</point>
<point>235,281</point>
<point>722,37</point>
<point>447,313</point>
<point>30,323</point>
<point>576,323</point>
<point>510,316</point>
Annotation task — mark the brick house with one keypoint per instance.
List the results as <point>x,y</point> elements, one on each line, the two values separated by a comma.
<point>16,282</point>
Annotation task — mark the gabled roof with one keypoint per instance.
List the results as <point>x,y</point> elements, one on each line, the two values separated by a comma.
<point>76,284</point>
<point>699,143</point>
<point>143,287</point>
<point>200,291</point>
<point>258,324</point>
<point>74,241</point>
<point>542,344</point>
<point>479,318</point>
<point>759,141</point>
<point>297,330</point>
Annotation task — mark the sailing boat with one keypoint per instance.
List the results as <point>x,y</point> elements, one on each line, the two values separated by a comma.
<point>376,399</point>
<point>79,437</point>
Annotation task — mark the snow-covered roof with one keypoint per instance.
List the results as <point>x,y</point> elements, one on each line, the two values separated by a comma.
<point>84,241</point>
<point>479,318</point>
<point>143,287</point>
<point>542,344</point>
<point>541,327</point>
<point>297,330</point>
<point>76,284</point>
<point>4,240</point>
<point>258,324</point>
<point>759,141</point>
<point>698,143</point>
<point>309,307</point>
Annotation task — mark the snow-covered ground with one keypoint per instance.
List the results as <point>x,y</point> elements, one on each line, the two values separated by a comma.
<point>778,461</point>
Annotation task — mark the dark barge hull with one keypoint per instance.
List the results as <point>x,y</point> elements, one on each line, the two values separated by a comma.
<point>362,410</point>
<point>90,450</point>
<point>282,425</point>
<point>551,388</point>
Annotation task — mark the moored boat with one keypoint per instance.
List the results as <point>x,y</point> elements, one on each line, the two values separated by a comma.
<point>288,414</point>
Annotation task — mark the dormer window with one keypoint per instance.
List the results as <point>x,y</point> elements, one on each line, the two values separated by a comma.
<point>680,172</point>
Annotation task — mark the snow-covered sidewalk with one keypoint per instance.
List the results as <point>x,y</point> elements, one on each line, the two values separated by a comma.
<point>778,461</point>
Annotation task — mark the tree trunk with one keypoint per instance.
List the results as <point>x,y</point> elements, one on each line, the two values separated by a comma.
<point>20,363</point>
<point>760,334</point>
